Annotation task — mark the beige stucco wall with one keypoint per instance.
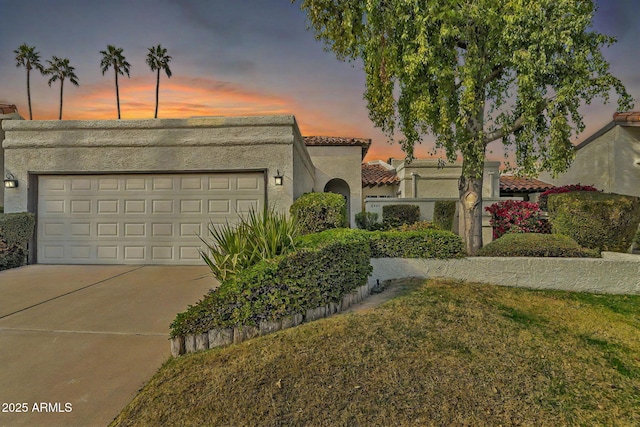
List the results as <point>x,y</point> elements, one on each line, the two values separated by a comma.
<point>3,117</point>
<point>305,172</point>
<point>343,163</point>
<point>381,191</point>
<point>626,158</point>
<point>592,165</point>
<point>442,182</point>
<point>263,143</point>
<point>611,162</point>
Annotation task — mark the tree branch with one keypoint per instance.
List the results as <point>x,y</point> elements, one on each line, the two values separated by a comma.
<point>519,123</point>
<point>495,73</point>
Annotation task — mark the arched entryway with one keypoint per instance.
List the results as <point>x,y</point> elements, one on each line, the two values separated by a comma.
<point>340,186</point>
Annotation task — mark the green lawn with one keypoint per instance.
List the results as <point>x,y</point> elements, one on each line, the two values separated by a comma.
<point>442,353</point>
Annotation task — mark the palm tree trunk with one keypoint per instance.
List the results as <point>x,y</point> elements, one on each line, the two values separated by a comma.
<point>117,92</point>
<point>61,90</point>
<point>29,93</point>
<point>157,92</point>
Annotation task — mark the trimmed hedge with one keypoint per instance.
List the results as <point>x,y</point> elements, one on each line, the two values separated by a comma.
<point>536,245</point>
<point>430,243</point>
<point>11,256</point>
<point>277,288</point>
<point>16,230</point>
<point>427,243</point>
<point>416,226</point>
<point>596,220</point>
<point>444,212</point>
<point>368,221</point>
<point>544,197</point>
<point>397,215</point>
<point>317,212</point>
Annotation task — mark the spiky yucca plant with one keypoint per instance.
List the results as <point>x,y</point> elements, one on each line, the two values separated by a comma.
<point>255,237</point>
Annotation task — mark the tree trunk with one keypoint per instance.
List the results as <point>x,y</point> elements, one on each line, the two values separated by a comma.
<point>117,93</point>
<point>61,90</point>
<point>157,92</point>
<point>470,191</point>
<point>29,93</point>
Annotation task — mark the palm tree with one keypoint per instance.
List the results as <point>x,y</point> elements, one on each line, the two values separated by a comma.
<point>27,57</point>
<point>60,69</point>
<point>113,57</point>
<point>158,60</point>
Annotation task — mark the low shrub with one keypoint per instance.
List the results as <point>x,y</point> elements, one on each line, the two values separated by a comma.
<point>397,215</point>
<point>11,256</point>
<point>602,221</point>
<point>16,229</point>
<point>544,197</point>
<point>318,240</point>
<point>417,226</point>
<point>515,216</point>
<point>444,212</point>
<point>277,288</point>
<point>368,221</point>
<point>255,237</point>
<point>317,212</point>
<point>536,245</point>
<point>430,243</point>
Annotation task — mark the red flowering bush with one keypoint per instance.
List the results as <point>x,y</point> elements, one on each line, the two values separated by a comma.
<point>542,200</point>
<point>515,216</point>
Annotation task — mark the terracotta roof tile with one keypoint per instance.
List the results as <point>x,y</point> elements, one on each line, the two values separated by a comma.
<point>338,141</point>
<point>8,108</point>
<point>626,116</point>
<point>509,183</point>
<point>377,176</point>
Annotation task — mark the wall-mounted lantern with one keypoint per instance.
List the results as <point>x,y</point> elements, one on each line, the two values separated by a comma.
<point>10,181</point>
<point>279,179</point>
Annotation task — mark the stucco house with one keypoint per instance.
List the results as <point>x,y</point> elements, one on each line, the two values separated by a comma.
<point>422,182</point>
<point>142,191</point>
<point>609,159</point>
<point>7,112</point>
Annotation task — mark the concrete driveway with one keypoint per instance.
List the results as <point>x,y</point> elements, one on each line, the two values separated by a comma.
<point>78,342</point>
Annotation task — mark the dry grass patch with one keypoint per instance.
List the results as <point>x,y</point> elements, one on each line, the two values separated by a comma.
<point>442,353</point>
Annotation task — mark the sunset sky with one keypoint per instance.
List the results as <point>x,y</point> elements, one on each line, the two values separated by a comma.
<point>230,58</point>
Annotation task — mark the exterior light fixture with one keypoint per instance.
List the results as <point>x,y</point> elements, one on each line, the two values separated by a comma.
<point>10,181</point>
<point>279,178</point>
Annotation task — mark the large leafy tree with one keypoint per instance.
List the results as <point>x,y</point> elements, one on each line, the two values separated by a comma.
<point>113,57</point>
<point>471,72</point>
<point>158,60</point>
<point>61,69</point>
<point>27,57</point>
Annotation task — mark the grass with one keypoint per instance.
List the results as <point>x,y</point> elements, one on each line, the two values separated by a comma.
<point>442,353</point>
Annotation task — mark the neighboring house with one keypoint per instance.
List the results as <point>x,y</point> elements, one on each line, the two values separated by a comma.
<point>423,182</point>
<point>528,189</point>
<point>142,191</point>
<point>609,159</point>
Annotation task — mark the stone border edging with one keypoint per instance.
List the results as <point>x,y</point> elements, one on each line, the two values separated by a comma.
<point>596,275</point>
<point>224,336</point>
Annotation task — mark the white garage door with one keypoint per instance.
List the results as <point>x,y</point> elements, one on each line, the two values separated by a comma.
<point>137,219</point>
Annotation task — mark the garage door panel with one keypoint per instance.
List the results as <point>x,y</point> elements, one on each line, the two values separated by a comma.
<point>138,219</point>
